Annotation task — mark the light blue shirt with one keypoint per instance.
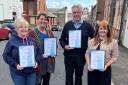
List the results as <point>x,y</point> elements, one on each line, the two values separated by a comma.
<point>77,24</point>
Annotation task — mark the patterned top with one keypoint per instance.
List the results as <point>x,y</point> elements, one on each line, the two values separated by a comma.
<point>111,49</point>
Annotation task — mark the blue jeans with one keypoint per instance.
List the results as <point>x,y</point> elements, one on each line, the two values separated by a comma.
<point>23,79</point>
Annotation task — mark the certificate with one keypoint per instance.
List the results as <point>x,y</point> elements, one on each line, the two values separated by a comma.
<point>50,46</point>
<point>97,59</point>
<point>75,38</point>
<point>27,56</point>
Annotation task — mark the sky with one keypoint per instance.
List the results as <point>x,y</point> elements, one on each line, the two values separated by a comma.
<point>69,3</point>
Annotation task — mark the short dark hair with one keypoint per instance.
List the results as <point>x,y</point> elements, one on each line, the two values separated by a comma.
<point>42,14</point>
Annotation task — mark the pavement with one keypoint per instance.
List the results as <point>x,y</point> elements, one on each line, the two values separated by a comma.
<point>119,72</point>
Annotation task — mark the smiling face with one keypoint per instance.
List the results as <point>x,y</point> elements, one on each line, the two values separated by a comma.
<point>22,30</point>
<point>77,13</point>
<point>103,31</point>
<point>21,27</point>
<point>42,21</point>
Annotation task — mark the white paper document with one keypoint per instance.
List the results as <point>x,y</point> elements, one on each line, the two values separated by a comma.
<point>27,56</point>
<point>97,59</point>
<point>50,46</point>
<point>75,38</point>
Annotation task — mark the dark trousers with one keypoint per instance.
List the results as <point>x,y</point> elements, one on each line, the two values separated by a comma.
<point>99,78</point>
<point>46,78</point>
<point>74,65</point>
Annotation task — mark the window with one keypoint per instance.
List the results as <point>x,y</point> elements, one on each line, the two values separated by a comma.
<point>30,7</point>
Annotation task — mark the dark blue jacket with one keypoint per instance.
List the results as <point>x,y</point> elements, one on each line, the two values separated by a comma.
<point>86,32</point>
<point>11,52</point>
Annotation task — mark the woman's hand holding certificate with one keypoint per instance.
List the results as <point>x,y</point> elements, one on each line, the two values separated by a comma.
<point>89,68</point>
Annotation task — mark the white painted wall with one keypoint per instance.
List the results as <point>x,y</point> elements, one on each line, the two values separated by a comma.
<point>125,42</point>
<point>1,12</point>
<point>9,6</point>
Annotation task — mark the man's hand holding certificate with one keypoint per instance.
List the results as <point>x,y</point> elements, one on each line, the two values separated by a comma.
<point>75,38</point>
<point>97,59</point>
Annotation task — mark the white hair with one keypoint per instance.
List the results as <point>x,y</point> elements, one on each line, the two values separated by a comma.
<point>77,6</point>
<point>19,22</point>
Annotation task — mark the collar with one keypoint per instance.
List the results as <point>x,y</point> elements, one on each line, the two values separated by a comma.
<point>80,22</point>
<point>104,41</point>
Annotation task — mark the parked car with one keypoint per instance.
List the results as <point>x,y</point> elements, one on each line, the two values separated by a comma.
<point>5,33</point>
<point>7,21</point>
<point>54,28</point>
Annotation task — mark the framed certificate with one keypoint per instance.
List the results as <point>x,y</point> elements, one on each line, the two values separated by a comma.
<point>75,38</point>
<point>50,46</point>
<point>97,59</point>
<point>27,56</point>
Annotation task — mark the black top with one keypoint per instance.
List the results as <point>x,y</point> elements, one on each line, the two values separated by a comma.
<point>86,32</point>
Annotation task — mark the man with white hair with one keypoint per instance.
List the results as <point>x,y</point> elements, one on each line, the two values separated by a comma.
<point>74,58</point>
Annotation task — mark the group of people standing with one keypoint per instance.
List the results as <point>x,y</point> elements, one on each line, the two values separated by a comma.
<point>74,58</point>
<point>22,36</point>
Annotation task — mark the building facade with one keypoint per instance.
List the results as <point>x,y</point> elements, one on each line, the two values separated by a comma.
<point>30,9</point>
<point>61,14</point>
<point>94,15</point>
<point>123,38</point>
<point>107,9</point>
<point>117,18</point>
<point>34,7</point>
<point>85,15</point>
<point>112,12</point>
<point>10,9</point>
<point>100,10</point>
